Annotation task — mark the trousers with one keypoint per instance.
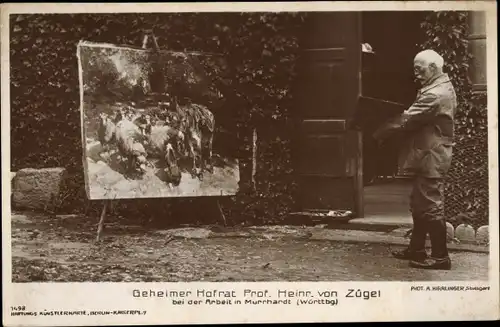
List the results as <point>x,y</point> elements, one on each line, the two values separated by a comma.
<point>427,209</point>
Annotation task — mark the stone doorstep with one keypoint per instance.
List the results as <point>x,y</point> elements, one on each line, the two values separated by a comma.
<point>369,223</point>
<point>378,221</point>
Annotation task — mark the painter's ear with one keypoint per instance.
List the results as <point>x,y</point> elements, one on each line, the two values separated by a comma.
<point>433,67</point>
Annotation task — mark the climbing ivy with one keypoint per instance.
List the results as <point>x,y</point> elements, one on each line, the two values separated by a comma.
<point>467,186</point>
<point>447,33</point>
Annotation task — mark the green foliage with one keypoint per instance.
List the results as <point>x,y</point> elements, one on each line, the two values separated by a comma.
<point>467,188</point>
<point>447,32</point>
<point>260,50</point>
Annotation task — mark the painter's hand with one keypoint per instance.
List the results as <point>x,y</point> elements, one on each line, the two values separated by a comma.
<point>379,135</point>
<point>384,132</point>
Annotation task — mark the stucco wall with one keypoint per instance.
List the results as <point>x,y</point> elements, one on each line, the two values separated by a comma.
<point>477,44</point>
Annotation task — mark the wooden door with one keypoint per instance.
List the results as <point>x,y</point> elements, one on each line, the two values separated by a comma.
<point>329,154</point>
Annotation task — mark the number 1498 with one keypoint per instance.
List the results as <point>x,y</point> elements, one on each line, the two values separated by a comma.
<point>18,308</point>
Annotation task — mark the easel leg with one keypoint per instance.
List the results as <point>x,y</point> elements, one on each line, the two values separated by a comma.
<point>101,221</point>
<point>222,213</point>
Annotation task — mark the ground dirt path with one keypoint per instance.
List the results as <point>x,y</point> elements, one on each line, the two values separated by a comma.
<point>62,249</point>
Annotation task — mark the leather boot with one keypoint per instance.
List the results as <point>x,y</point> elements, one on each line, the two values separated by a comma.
<point>439,258</point>
<point>416,249</point>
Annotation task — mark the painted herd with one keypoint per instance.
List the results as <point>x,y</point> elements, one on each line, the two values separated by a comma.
<point>179,137</point>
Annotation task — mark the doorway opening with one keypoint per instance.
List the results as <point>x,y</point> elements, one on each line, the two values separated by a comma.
<point>390,42</point>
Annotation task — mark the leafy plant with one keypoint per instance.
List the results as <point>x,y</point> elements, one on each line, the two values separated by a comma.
<point>467,186</point>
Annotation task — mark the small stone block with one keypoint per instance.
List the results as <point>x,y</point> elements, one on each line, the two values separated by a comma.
<point>483,235</point>
<point>37,189</point>
<point>450,232</point>
<point>465,233</point>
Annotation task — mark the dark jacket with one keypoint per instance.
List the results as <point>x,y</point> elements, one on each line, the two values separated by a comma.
<point>427,128</point>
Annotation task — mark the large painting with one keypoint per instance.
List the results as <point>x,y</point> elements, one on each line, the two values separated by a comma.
<point>154,124</point>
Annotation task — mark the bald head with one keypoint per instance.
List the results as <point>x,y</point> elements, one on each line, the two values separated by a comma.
<point>427,65</point>
<point>430,57</point>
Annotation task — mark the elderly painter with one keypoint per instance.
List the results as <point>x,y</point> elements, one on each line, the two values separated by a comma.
<point>428,129</point>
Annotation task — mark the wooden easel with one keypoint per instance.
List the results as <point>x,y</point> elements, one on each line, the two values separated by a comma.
<point>146,39</point>
<point>100,225</point>
<point>107,203</point>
